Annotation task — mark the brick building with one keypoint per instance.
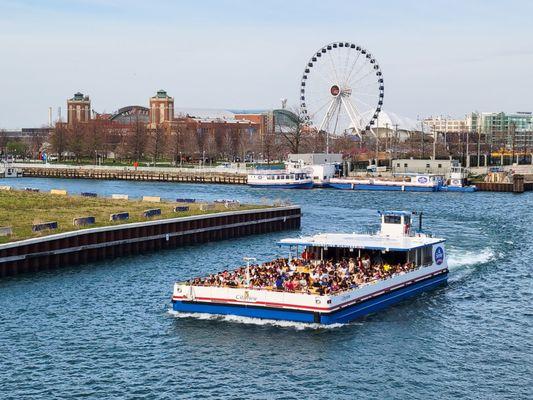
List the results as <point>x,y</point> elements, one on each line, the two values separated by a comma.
<point>161,108</point>
<point>78,109</point>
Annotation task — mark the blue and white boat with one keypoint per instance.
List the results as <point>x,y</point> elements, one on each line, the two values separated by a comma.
<point>401,261</point>
<point>457,181</point>
<point>280,179</point>
<point>404,182</point>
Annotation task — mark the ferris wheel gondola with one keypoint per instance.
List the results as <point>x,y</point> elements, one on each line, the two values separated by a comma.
<point>342,90</point>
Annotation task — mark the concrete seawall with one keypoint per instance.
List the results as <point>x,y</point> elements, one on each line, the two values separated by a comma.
<point>88,245</point>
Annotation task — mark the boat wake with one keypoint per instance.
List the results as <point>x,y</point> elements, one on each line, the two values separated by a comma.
<point>299,326</point>
<point>469,258</point>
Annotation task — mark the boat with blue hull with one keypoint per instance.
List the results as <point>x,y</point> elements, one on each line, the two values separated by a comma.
<point>336,279</point>
<point>458,181</point>
<point>404,183</point>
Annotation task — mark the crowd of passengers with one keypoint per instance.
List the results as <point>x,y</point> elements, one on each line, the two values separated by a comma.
<point>324,277</point>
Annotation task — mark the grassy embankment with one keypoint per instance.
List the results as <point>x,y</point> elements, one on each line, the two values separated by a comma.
<point>20,210</point>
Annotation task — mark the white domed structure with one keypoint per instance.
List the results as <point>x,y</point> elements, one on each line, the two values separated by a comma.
<point>389,124</point>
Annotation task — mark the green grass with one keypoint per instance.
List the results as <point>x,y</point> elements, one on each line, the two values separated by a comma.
<point>20,210</point>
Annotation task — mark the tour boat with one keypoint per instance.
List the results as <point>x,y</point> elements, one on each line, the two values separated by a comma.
<point>406,182</point>
<point>417,261</point>
<point>280,179</point>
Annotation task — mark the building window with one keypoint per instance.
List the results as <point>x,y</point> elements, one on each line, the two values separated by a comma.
<point>428,166</point>
<point>440,166</point>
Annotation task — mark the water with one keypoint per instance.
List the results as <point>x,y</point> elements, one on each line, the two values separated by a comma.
<point>105,330</point>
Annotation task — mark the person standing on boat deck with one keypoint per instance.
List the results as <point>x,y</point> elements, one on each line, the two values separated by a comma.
<point>365,264</point>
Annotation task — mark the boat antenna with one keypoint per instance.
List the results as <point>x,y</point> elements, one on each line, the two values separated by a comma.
<point>420,214</point>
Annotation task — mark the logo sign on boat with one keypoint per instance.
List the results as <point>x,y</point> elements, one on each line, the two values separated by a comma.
<point>246,297</point>
<point>439,255</point>
<point>422,179</point>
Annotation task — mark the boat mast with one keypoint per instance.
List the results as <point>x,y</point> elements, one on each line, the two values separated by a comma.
<point>248,259</point>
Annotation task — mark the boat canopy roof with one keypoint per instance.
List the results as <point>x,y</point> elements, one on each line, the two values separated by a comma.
<point>361,241</point>
<point>393,212</point>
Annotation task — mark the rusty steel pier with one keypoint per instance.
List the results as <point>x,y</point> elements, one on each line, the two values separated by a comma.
<point>95,244</point>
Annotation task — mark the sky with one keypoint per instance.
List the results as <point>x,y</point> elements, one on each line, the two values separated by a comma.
<point>437,57</point>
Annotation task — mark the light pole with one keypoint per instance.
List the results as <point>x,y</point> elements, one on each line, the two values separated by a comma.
<point>248,259</point>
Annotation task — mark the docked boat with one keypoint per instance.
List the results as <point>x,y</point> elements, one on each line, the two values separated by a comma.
<point>8,170</point>
<point>291,178</point>
<point>403,182</point>
<point>336,279</point>
<point>457,181</point>
<point>321,173</point>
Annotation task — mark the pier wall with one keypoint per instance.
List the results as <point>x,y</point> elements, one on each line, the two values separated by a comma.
<point>95,244</point>
<point>193,176</point>
<point>518,185</point>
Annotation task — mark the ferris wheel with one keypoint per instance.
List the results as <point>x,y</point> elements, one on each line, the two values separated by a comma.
<point>341,90</point>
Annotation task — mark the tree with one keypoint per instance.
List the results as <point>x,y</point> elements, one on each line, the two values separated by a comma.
<point>293,130</point>
<point>94,139</point>
<point>3,141</point>
<point>157,142</point>
<point>58,139</point>
<point>17,148</point>
<point>75,140</point>
<point>136,140</point>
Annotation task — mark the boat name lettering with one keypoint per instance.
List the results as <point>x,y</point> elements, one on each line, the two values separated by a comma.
<point>245,297</point>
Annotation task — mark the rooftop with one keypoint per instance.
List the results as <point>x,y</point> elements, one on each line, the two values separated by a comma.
<point>362,241</point>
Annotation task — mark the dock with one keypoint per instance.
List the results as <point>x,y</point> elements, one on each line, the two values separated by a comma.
<point>180,175</point>
<point>517,185</point>
<point>97,244</point>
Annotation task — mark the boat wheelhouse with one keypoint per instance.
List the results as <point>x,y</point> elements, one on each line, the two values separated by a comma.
<point>336,278</point>
<point>404,182</point>
<point>458,181</point>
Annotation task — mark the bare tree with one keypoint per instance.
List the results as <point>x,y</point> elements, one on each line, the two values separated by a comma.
<point>157,141</point>
<point>94,139</point>
<point>3,141</point>
<point>136,140</point>
<point>76,140</point>
<point>293,130</point>
<point>58,139</point>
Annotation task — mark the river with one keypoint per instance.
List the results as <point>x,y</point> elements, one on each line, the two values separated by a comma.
<point>105,330</point>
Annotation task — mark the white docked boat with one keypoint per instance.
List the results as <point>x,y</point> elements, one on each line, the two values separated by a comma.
<point>290,178</point>
<point>321,173</point>
<point>8,170</point>
<point>403,182</point>
<point>336,279</point>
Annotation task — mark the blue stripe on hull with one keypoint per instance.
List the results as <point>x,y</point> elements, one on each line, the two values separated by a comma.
<point>288,186</point>
<point>356,311</point>
<point>244,311</point>
<point>464,189</point>
<point>348,186</point>
<point>342,316</point>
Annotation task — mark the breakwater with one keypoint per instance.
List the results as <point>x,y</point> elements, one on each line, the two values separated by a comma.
<point>194,176</point>
<point>83,246</point>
